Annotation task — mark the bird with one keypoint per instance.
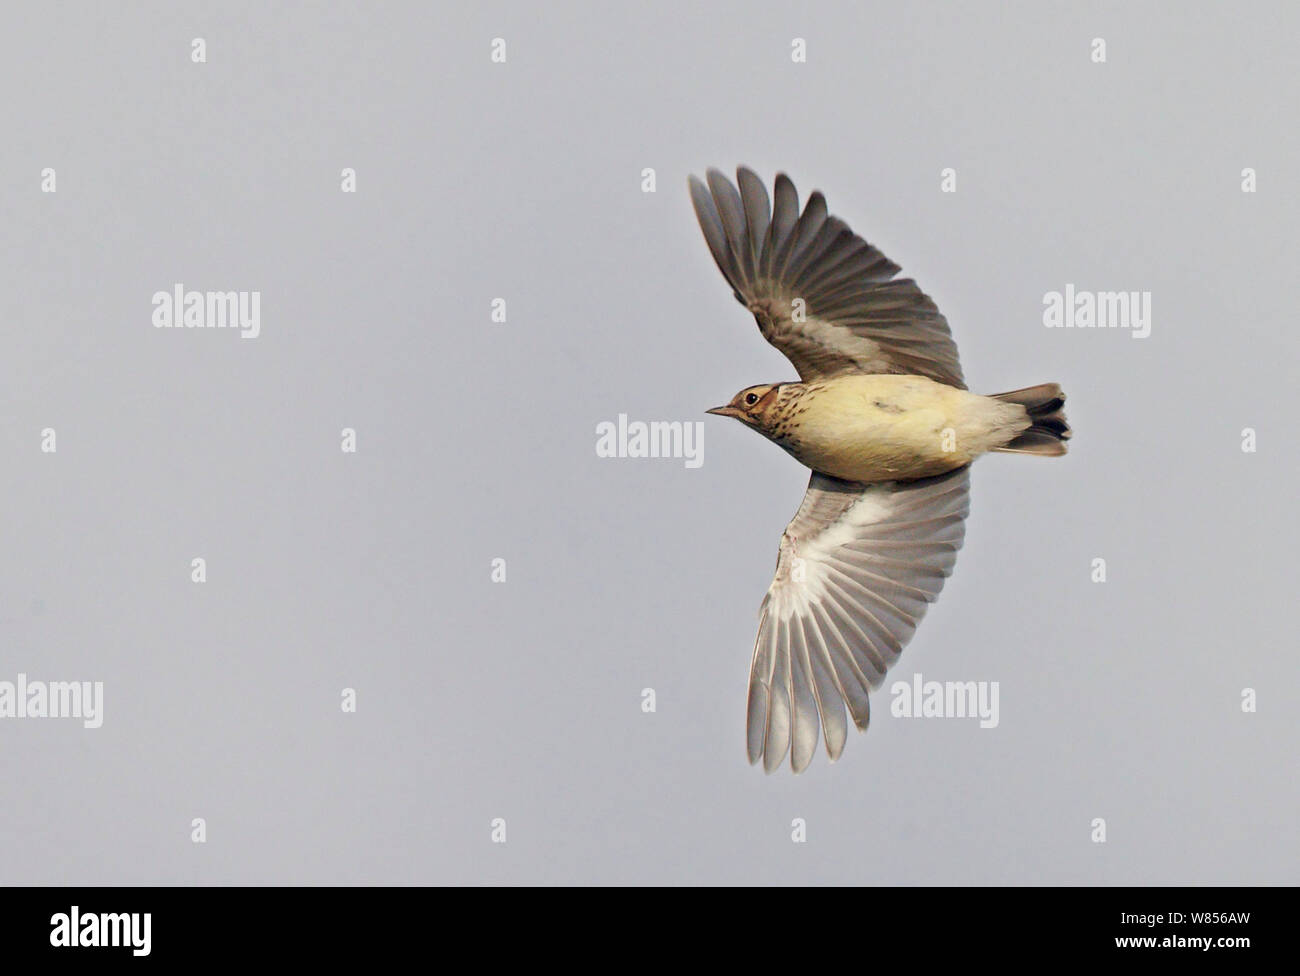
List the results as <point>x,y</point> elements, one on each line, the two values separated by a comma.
<point>882,417</point>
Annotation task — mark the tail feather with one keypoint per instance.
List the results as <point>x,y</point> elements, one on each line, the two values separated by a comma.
<point>1048,430</point>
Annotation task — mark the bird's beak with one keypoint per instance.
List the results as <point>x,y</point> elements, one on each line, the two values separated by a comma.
<point>727,411</point>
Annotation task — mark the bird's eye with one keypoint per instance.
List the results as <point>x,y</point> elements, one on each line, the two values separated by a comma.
<point>751,398</point>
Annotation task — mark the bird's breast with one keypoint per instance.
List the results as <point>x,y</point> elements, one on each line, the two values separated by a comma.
<point>878,427</point>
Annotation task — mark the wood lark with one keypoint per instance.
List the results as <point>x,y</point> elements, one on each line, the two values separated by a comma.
<point>885,422</point>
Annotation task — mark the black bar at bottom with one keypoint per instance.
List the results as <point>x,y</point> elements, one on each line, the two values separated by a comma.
<point>142,925</point>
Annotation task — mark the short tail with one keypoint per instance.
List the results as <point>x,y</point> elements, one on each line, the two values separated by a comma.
<point>1048,430</point>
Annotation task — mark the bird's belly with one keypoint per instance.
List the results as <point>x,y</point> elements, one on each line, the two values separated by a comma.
<point>885,452</point>
<point>885,429</point>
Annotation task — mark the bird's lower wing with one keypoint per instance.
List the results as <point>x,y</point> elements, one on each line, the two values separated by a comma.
<point>858,567</point>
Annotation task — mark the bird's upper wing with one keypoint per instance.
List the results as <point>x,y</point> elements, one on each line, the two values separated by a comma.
<point>855,318</point>
<point>857,568</point>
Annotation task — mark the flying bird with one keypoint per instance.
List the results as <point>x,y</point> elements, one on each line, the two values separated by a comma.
<point>882,417</point>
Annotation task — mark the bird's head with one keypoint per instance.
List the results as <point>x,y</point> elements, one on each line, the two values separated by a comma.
<point>754,406</point>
